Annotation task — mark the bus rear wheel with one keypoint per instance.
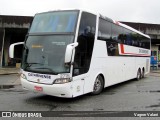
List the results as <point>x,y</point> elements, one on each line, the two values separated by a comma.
<point>138,74</point>
<point>98,85</point>
<point>143,72</point>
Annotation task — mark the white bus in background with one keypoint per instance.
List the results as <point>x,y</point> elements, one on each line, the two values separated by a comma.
<point>73,52</point>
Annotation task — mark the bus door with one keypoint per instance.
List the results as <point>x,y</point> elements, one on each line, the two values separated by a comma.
<point>83,52</point>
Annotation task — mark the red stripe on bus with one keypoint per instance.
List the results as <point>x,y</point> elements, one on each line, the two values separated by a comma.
<point>122,48</point>
<point>136,54</point>
<point>124,53</point>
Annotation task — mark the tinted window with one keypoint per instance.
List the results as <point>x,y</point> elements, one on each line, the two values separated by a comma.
<point>146,42</point>
<point>117,33</point>
<point>85,41</point>
<point>46,53</point>
<point>60,21</point>
<point>135,39</point>
<point>87,24</point>
<point>128,38</point>
<point>104,30</point>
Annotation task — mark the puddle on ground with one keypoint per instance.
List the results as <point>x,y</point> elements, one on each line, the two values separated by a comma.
<point>152,106</point>
<point>6,86</point>
<point>155,91</point>
<point>152,91</point>
<point>98,109</point>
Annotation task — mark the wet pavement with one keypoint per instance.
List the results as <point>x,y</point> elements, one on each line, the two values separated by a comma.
<point>133,95</point>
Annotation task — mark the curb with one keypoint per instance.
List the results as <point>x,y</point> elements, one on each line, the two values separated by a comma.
<point>8,73</point>
<point>5,71</point>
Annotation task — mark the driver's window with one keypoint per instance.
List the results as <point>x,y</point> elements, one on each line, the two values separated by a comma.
<point>85,41</point>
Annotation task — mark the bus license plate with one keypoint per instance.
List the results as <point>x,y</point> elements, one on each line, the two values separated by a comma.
<point>37,88</point>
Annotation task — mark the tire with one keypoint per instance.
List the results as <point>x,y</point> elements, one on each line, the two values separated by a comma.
<point>143,72</point>
<point>138,74</point>
<point>98,85</point>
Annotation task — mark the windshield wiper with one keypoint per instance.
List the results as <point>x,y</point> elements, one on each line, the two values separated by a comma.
<point>48,69</point>
<point>30,64</point>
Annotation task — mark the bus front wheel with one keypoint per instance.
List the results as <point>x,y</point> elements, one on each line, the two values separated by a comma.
<point>98,85</point>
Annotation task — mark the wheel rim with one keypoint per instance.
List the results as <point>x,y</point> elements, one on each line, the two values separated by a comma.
<point>97,84</point>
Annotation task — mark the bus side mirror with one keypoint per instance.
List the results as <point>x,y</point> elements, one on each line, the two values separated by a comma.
<point>12,49</point>
<point>69,51</point>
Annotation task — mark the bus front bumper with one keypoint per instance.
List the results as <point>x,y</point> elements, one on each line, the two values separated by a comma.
<point>59,90</point>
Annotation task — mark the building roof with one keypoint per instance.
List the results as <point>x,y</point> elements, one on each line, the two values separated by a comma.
<point>7,21</point>
<point>143,26</point>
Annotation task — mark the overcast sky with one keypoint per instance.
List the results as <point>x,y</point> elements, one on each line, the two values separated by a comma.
<point>143,11</point>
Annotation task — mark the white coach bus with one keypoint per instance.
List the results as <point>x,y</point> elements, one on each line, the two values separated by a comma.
<point>73,52</point>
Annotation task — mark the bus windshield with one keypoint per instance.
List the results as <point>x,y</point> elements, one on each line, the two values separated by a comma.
<point>46,53</point>
<point>55,22</point>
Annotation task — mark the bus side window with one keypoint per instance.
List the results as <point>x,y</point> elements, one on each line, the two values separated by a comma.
<point>117,32</point>
<point>104,30</point>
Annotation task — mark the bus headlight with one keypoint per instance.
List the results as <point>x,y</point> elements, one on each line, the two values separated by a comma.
<point>62,80</point>
<point>23,76</point>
